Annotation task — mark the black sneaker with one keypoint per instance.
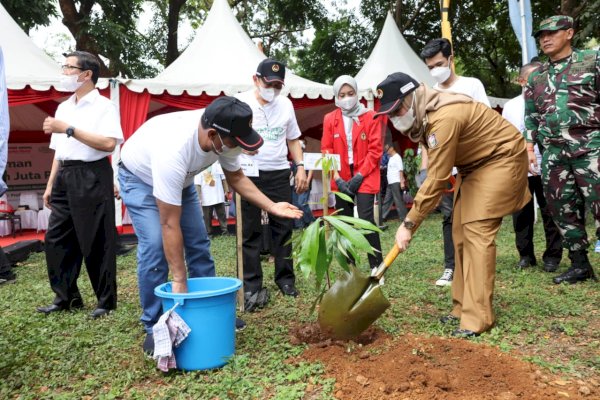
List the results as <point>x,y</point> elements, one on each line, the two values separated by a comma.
<point>148,345</point>
<point>240,325</point>
<point>574,275</point>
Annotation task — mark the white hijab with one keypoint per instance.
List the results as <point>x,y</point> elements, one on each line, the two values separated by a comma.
<point>358,109</point>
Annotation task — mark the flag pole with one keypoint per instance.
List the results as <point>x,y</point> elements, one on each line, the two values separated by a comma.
<point>523,31</point>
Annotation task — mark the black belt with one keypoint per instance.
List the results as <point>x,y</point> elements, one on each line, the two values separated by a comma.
<point>76,163</point>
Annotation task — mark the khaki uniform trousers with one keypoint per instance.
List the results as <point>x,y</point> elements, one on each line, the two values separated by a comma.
<point>475,270</point>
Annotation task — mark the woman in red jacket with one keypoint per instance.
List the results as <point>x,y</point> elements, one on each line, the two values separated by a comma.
<point>359,175</point>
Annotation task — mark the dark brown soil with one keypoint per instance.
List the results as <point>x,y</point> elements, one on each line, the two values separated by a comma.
<point>376,366</point>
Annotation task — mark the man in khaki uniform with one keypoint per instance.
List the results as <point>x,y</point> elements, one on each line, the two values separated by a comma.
<point>491,158</point>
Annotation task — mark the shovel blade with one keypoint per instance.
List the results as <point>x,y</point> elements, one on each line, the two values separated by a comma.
<point>351,305</point>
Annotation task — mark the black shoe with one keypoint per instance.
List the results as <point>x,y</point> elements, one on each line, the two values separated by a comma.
<point>449,319</point>
<point>255,300</point>
<point>74,304</point>
<point>383,227</point>
<point>289,290</point>
<point>464,333</point>
<point>123,249</point>
<point>526,262</point>
<point>574,275</point>
<point>148,345</point>
<point>8,278</point>
<point>550,266</point>
<point>240,325</point>
<point>99,312</point>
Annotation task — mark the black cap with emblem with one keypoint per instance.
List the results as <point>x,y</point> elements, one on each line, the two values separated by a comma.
<point>233,118</point>
<point>393,89</point>
<point>271,70</point>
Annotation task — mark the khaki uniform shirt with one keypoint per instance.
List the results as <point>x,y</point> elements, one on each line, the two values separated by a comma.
<point>491,158</point>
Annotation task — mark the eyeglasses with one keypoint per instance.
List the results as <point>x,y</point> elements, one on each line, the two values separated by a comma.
<point>71,67</point>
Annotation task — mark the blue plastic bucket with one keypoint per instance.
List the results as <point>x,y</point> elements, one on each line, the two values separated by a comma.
<point>209,310</point>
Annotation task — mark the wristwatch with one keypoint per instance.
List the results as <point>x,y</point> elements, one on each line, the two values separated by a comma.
<point>70,131</point>
<point>408,224</point>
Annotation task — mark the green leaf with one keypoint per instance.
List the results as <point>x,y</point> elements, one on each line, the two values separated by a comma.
<point>323,258</point>
<point>357,240</point>
<point>344,197</point>
<point>360,223</point>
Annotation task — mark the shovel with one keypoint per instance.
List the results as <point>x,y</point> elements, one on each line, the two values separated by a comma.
<point>355,301</point>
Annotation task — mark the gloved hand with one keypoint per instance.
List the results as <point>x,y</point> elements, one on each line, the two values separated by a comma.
<point>343,187</point>
<point>355,183</point>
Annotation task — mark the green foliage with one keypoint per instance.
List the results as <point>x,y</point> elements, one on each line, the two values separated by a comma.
<point>412,165</point>
<point>344,40</point>
<point>30,13</point>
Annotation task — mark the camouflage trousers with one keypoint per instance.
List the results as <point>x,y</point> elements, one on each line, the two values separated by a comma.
<point>569,183</point>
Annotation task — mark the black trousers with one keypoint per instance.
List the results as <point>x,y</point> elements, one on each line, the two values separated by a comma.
<point>82,227</point>
<point>364,206</point>
<point>276,186</point>
<point>446,206</point>
<point>523,221</point>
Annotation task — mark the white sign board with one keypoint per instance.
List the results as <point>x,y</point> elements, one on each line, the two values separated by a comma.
<point>311,159</point>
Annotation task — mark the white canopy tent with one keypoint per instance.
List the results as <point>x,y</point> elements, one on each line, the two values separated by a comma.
<point>391,53</point>
<point>221,60</point>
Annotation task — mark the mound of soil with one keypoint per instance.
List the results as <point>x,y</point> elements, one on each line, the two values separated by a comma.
<point>376,366</point>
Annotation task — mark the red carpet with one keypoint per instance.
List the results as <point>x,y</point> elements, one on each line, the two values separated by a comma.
<point>29,234</point>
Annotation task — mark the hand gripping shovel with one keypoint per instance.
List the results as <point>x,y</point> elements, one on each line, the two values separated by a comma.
<point>355,301</point>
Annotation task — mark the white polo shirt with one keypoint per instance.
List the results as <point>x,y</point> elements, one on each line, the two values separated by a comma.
<point>165,154</point>
<point>394,167</point>
<point>467,85</point>
<point>276,123</point>
<point>92,113</point>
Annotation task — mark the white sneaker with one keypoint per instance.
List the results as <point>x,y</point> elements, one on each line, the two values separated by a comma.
<point>446,279</point>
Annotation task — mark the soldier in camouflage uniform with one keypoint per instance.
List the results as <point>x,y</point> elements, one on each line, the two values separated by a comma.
<point>562,114</point>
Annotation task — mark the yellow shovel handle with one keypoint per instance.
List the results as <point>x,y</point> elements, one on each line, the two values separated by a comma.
<point>389,259</point>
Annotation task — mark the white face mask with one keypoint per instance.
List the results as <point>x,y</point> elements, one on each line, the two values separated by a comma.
<point>440,74</point>
<point>268,94</point>
<point>224,148</point>
<point>70,83</point>
<point>405,122</point>
<point>347,103</point>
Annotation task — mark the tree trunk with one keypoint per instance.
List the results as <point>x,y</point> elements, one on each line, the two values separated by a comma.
<point>76,22</point>
<point>173,25</point>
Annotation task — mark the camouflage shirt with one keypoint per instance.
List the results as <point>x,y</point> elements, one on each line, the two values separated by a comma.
<point>562,103</point>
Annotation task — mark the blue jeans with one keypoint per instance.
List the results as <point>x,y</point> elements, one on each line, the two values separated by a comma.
<point>153,269</point>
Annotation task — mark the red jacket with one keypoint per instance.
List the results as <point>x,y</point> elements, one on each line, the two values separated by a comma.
<point>367,147</point>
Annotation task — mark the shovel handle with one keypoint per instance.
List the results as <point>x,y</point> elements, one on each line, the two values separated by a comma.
<point>387,261</point>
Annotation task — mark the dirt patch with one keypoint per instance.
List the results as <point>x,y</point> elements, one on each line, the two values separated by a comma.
<point>376,366</point>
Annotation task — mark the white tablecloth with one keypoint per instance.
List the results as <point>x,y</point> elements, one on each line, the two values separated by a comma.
<point>29,219</point>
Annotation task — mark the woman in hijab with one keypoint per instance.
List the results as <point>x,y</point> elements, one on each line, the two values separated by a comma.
<point>353,133</point>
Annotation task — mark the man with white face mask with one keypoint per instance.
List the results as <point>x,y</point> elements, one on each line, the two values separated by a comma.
<point>80,190</point>
<point>274,119</point>
<point>438,56</point>
<point>489,152</point>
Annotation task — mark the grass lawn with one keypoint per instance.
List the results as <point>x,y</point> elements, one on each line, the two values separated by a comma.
<point>68,356</point>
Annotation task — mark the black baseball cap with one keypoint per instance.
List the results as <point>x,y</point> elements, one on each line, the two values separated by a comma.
<point>271,70</point>
<point>232,118</point>
<point>393,90</point>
